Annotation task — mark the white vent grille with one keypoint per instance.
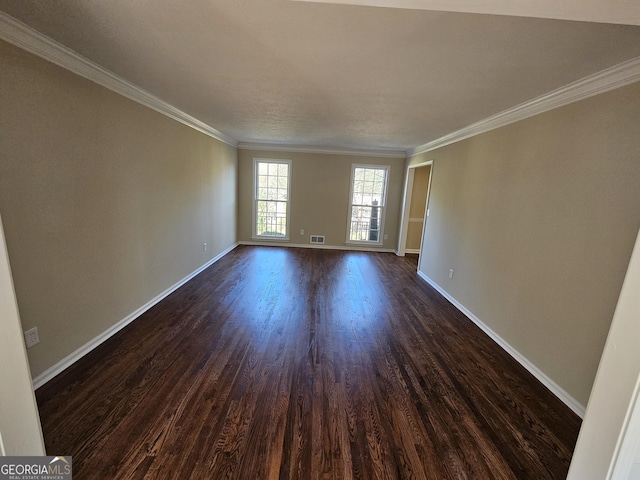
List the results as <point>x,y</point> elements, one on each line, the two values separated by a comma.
<point>317,239</point>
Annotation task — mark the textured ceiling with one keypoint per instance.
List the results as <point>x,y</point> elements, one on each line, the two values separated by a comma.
<point>317,74</point>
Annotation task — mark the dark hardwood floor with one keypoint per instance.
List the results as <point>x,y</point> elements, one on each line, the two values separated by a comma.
<point>305,364</point>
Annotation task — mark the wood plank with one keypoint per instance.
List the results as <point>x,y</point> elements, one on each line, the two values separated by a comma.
<point>282,363</point>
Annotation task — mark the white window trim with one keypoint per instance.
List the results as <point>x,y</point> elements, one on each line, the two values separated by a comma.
<point>383,210</point>
<point>254,234</point>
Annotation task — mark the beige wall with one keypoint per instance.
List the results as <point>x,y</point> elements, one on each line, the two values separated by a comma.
<point>105,203</point>
<point>538,220</point>
<point>319,194</point>
<point>414,235</point>
<point>418,206</point>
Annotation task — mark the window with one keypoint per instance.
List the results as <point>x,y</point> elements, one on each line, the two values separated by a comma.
<point>368,196</point>
<point>271,198</point>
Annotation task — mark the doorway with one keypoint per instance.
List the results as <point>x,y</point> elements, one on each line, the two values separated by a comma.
<point>415,209</point>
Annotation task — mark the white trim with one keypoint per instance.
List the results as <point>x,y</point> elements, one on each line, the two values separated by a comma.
<point>404,223</point>
<point>254,232</point>
<point>70,359</point>
<point>558,391</point>
<point>26,38</point>
<point>412,250</point>
<point>421,164</point>
<point>628,444</point>
<point>614,77</point>
<point>276,147</point>
<point>612,422</point>
<point>362,248</point>
<point>426,212</point>
<point>406,205</point>
<point>270,238</point>
<point>383,206</point>
<point>623,12</point>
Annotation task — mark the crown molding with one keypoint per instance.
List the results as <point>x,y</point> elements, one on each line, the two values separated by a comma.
<point>614,77</point>
<point>276,147</point>
<point>26,38</point>
<point>623,12</point>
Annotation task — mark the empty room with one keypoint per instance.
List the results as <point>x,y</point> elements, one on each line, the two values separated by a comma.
<point>294,239</point>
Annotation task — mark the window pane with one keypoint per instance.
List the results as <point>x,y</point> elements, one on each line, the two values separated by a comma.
<point>366,204</point>
<point>368,186</point>
<point>360,217</point>
<point>272,195</point>
<point>365,224</point>
<point>271,218</point>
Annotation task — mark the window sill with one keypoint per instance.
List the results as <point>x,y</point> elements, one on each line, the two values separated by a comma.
<point>361,243</point>
<point>270,239</point>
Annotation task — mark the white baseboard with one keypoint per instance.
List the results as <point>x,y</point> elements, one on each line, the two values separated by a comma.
<point>70,359</point>
<point>558,391</point>
<point>412,250</point>
<point>323,247</point>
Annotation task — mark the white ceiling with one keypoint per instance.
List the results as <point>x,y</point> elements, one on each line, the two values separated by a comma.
<point>340,76</point>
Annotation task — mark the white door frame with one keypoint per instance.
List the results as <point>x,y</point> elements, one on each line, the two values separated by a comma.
<point>406,206</point>
<point>20,430</point>
<point>608,439</point>
<point>628,447</point>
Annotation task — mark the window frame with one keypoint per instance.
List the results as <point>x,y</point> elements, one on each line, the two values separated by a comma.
<point>383,207</point>
<point>255,236</point>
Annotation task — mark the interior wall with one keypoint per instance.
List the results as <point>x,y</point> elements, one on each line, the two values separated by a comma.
<point>538,220</point>
<point>20,432</point>
<point>106,203</point>
<point>320,185</point>
<point>610,432</point>
<point>418,206</point>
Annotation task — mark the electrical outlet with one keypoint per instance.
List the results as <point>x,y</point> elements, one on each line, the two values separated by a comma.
<point>204,247</point>
<point>386,237</point>
<point>302,231</point>
<point>451,273</point>
<point>31,337</point>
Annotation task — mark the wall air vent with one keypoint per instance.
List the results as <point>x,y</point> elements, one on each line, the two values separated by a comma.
<point>317,239</point>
